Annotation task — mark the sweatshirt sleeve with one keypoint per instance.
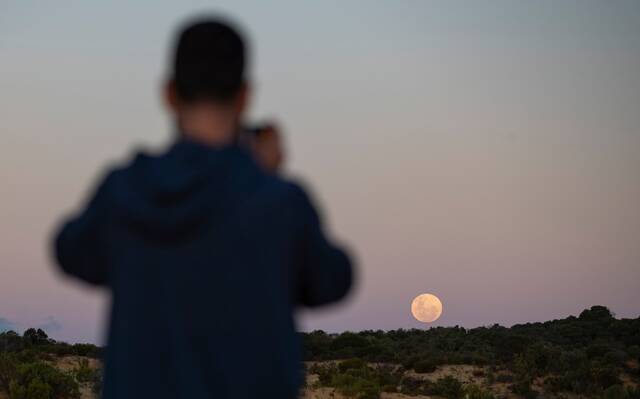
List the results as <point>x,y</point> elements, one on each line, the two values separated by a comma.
<point>324,271</point>
<point>78,244</point>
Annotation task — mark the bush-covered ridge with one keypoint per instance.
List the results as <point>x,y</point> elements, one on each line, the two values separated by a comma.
<point>28,369</point>
<point>593,355</point>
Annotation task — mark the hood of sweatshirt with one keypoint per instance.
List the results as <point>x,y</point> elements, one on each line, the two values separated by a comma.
<point>175,194</point>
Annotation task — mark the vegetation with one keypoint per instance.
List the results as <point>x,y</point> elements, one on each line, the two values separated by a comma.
<point>358,379</point>
<point>27,367</point>
<point>586,355</point>
<point>593,355</point>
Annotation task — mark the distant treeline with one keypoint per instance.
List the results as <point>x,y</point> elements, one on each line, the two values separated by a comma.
<point>37,340</point>
<point>585,355</point>
<point>592,355</point>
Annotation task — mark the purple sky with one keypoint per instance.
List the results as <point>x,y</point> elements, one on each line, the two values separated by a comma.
<point>486,152</point>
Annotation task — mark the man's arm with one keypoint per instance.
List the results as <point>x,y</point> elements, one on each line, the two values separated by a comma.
<point>324,271</point>
<point>79,245</point>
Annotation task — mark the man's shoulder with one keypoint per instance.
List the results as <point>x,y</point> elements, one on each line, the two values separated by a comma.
<point>289,189</point>
<point>291,197</point>
<point>116,174</point>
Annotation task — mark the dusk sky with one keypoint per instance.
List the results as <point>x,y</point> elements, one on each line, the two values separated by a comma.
<point>487,152</point>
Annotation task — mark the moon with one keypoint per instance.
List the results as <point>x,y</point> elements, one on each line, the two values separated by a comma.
<point>426,308</point>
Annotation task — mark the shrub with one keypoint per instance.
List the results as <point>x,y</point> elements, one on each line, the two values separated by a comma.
<point>606,376</point>
<point>475,392</point>
<point>491,378</point>
<point>86,374</point>
<point>10,341</point>
<point>389,376</point>
<point>326,374</point>
<point>39,380</point>
<point>8,370</point>
<point>389,388</point>
<point>35,337</point>
<point>478,373</point>
<point>424,366</point>
<point>522,386</point>
<point>504,378</point>
<point>36,389</point>
<point>634,393</point>
<point>369,391</point>
<point>87,350</point>
<point>410,386</point>
<point>449,387</point>
<point>616,392</point>
<point>350,364</point>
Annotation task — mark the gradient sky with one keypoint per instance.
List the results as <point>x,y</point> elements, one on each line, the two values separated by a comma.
<point>484,151</point>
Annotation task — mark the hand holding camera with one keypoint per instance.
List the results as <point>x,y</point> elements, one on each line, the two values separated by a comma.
<point>266,144</point>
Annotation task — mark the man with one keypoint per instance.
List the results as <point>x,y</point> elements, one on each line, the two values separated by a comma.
<point>205,253</point>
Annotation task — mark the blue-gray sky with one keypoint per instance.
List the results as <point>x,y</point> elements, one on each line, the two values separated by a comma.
<point>484,151</point>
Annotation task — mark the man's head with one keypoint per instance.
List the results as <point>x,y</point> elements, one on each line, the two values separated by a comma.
<point>208,69</point>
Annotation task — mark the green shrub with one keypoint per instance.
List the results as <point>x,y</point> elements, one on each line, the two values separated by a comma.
<point>410,386</point>
<point>634,393</point>
<point>577,356</point>
<point>8,370</point>
<point>425,366</point>
<point>504,378</point>
<point>33,380</point>
<point>449,387</point>
<point>522,386</point>
<point>616,392</point>
<point>491,378</point>
<point>478,373</point>
<point>350,364</point>
<point>473,391</point>
<point>389,388</point>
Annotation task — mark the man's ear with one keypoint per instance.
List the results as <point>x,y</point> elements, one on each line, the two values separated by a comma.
<point>170,95</point>
<point>241,102</point>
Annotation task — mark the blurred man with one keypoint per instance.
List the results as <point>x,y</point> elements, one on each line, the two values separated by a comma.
<point>205,252</point>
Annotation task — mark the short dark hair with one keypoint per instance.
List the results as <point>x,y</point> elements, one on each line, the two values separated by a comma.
<point>209,61</point>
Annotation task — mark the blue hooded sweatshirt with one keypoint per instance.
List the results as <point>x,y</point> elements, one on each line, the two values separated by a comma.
<point>206,257</point>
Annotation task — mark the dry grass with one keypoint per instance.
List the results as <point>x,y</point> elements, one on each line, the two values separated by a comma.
<point>69,363</point>
<point>330,393</point>
<point>467,374</point>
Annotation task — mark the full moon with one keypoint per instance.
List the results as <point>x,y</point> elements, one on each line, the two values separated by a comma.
<point>426,308</point>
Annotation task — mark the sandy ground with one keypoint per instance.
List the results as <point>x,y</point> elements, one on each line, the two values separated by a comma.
<point>330,393</point>
<point>68,363</point>
<point>464,373</point>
